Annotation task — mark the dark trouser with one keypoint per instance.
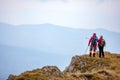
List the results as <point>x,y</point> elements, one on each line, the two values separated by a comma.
<point>101,52</point>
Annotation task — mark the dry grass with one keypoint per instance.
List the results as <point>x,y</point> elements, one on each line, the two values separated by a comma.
<point>107,68</point>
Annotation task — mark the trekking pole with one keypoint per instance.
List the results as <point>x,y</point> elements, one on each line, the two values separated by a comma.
<point>87,46</point>
<point>86,49</point>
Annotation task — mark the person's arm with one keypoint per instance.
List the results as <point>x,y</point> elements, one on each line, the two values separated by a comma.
<point>89,41</point>
<point>98,42</point>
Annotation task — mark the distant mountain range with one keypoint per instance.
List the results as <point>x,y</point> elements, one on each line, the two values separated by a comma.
<point>54,39</point>
<point>25,47</point>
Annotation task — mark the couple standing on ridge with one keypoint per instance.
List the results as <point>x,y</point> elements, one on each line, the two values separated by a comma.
<point>94,42</point>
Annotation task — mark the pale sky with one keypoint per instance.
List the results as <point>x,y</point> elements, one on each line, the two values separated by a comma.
<point>88,14</point>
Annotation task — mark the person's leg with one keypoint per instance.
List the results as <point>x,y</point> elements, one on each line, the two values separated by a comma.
<point>94,54</point>
<point>90,51</point>
<point>100,51</point>
<point>94,48</point>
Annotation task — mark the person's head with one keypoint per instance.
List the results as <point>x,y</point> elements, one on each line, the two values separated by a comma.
<point>101,36</point>
<point>94,34</point>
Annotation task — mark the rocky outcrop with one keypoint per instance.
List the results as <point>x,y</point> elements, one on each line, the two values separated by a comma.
<point>52,70</point>
<point>82,64</point>
<point>11,77</point>
<point>77,65</point>
<point>80,68</point>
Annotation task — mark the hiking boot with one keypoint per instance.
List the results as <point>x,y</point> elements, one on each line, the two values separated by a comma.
<point>90,54</point>
<point>93,54</point>
<point>100,55</point>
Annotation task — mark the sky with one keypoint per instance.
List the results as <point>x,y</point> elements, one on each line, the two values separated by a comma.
<point>88,14</point>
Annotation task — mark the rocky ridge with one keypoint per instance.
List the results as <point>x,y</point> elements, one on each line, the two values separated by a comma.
<point>80,68</point>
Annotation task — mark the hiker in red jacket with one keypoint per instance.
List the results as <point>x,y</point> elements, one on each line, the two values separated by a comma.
<point>101,44</point>
<point>93,44</point>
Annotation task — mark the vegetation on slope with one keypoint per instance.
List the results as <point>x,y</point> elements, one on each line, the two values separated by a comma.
<point>81,68</point>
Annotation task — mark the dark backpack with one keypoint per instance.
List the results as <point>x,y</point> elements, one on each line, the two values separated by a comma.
<point>102,43</point>
<point>94,40</point>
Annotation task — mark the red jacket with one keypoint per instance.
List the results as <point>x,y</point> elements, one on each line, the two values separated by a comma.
<point>99,41</point>
<point>89,43</point>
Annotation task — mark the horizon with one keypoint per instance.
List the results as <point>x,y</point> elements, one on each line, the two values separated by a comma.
<point>82,28</point>
<point>47,37</point>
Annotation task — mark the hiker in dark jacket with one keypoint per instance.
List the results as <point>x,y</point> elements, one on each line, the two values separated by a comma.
<point>101,44</point>
<point>93,44</point>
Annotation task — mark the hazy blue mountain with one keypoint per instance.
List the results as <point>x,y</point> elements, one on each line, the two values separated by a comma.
<point>15,60</point>
<point>53,38</point>
<point>27,47</point>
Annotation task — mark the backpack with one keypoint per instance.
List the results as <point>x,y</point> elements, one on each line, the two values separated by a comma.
<point>102,43</point>
<point>94,40</point>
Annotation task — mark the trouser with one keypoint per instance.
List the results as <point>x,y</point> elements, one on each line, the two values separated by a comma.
<point>101,52</point>
<point>93,50</point>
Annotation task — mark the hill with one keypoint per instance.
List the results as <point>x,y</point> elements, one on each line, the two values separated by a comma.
<point>80,68</point>
<point>54,38</point>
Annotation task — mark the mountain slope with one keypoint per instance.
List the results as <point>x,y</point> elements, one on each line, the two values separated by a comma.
<point>81,68</point>
<point>54,39</point>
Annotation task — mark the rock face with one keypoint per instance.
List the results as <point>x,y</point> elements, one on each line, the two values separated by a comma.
<point>52,70</point>
<point>80,68</point>
<point>82,64</point>
<point>11,77</point>
<point>45,73</point>
<point>77,65</point>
